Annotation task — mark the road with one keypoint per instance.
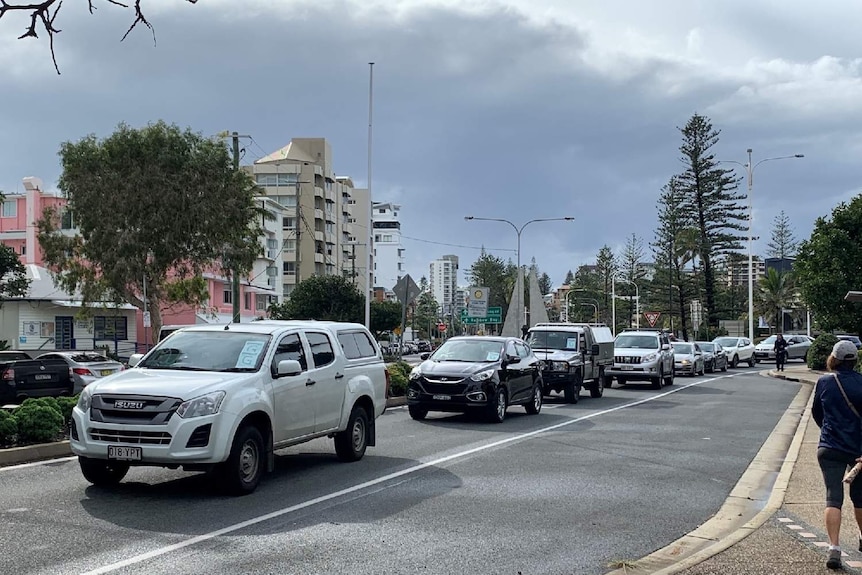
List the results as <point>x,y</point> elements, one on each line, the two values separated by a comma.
<point>568,491</point>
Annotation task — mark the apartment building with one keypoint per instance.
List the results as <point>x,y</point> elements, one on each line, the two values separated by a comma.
<point>736,270</point>
<point>443,281</point>
<point>388,249</point>
<point>324,223</point>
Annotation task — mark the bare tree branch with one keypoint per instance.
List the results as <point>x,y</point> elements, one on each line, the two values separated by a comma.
<point>45,13</point>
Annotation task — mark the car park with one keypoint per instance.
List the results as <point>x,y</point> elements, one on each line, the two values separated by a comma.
<point>476,375</point>
<point>642,355</point>
<point>739,349</point>
<point>714,356</point>
<point>687,358</point>
<point>797,347</point>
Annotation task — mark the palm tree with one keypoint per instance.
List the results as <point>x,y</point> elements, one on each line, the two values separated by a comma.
<point>775,293</point>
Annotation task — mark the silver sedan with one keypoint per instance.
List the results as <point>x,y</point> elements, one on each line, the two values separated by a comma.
<point>87,366</point>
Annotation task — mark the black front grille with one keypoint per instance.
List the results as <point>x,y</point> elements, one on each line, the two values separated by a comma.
<point>200,437</point>
<point>627,359</point>
<point>456,387</point>
<point>130,436</point>
<point>152,410</point>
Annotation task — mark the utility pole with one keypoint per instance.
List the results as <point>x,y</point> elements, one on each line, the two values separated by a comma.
<point>234,272</point>
<point>353,262</point>
<point>298,226</point>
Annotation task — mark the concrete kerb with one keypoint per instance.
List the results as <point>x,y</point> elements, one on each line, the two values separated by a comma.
<point>744,511</point>
<point>42,451</point>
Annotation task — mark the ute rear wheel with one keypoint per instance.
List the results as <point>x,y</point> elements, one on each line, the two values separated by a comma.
<point>351,443</point>
<point>101,472</point>
<point>597,389</point>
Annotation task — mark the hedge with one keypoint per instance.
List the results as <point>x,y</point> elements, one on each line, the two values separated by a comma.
<point>819,351</point>
<point>37,420</point>
<point>399,371</point>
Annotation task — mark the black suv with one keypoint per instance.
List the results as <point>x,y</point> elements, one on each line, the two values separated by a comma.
<point>476,374</point>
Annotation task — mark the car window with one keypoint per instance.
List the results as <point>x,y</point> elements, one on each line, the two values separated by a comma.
<point>523,351</point>
<point>89,358</point>
<point>349,345</point>
<point>289,348</point>
<point>321,348</point>
<point>363,342</point>
<point>510,349</point>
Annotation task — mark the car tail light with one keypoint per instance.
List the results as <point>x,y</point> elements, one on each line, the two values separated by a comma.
<point>81,371</point>
<point>9,375</point>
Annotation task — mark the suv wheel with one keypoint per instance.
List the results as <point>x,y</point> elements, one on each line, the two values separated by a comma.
<point>572,390</point>
<point>734,361</point>
<point>597,389</point>
<point>417,413</point>
<point>497,406</point>
<point>656,381</point>
<point>751,361</point>
<point>668,379</point>
<point>350,444</point>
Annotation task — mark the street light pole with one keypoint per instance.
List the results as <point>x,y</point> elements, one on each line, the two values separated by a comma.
<point>596,315</point>
<point>749,170</point>
<point>637,302</point>
<point>519,288</point>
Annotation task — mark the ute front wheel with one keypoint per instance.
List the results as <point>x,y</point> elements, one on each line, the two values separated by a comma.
<point>101,472</point>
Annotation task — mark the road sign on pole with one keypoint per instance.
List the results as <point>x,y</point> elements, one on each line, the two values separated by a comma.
<point>652,317</point>
<point>441,327</point>
<point>477,302</point>
<point>495,315</point>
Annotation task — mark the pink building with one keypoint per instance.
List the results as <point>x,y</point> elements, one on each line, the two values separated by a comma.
<point>18,216</point>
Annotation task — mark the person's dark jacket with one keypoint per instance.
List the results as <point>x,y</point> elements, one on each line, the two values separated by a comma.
<point>840,428</point>
<point>780,345</point>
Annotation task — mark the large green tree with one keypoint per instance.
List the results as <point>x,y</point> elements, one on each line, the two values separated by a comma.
<point>385,316</point>
<point>13,275</point>
<point>783,243</point>
<point>160,205</point>
<point>331,298</point>
<point>494,273</point>
<point>669,283</point>
<point>829,264</point>
<point>631,269</point>
<point>42,15</point>
<point>775,293</point>
<point>606,268</point>
<point>710,198</point>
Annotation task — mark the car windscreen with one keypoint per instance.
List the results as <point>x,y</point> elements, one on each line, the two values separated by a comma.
<point>477,350</point>
<point>682,348</point>
<point>707,346</point>
<point>727,341</point>
<point>209,351</point>
<point>769,340</point>
<point>636,342</point>
<point>88,358</point>
<point>566,340</point>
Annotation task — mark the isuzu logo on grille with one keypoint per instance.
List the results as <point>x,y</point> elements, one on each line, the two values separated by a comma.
<point>124,404</point>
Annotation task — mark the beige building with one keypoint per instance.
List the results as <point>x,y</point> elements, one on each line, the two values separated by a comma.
<point>325,219</point>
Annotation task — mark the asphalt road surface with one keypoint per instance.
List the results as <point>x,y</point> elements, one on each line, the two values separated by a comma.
<point>568,491</point>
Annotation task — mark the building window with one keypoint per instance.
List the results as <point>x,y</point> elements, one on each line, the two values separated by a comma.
<point>288,223</point>
<point>23,249</point>
<point>110,327</point>
<point>381,211</point>
<point>247,300</point>
<point>227,296</point>
<point>289,268</point>
<point>274,180</point>
<point>67,220</point>
<point>271,244</point>
<point>290,245</point>
<point>10,209</point>
<point>286,201</point>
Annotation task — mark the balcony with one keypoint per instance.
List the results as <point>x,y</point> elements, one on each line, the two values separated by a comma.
<point>319,258</point>
<point>318,236</point>
<point>318,192</point>
<point>318,214</point>
<point>330,196</point>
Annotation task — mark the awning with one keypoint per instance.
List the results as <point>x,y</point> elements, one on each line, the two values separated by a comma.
<point>96,305</point>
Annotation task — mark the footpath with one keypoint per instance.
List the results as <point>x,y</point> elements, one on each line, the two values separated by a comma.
<point>782,530</point>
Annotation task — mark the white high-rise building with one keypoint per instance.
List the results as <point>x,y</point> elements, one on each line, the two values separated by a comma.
<point>443,280</point>
<point>388,249</point>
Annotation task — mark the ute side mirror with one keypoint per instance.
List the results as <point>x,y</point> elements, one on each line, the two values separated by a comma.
<point>287,367</point>
<point>665,346</point>
<point>135,359</point>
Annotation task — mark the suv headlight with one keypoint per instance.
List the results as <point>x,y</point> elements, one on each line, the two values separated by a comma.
<point>483,375</point>
<point>85,399</point>
<point>649,357</point>
<point>415,373</point>
<point>204,405</point>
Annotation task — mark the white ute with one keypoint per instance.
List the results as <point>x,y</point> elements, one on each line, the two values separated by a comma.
<point>222,398</point>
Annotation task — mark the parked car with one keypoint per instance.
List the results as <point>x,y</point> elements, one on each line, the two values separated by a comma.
<point>797,347</point>
<point>476,374</point>
<point>423,345</point>
<point>687,358</point>
<point>738,349</point>
<point>87,366</point>
<point>714,356</point>
<point>854,339</point>
<point>643,355</point>
<point>222,398</point>
<point>22,377</point>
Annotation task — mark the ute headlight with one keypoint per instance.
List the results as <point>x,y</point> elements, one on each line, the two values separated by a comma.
<point>415,373</point>
<point>483,375</point>
<point>199,406</point>
<point>85,399</point>
<point>649,357</point>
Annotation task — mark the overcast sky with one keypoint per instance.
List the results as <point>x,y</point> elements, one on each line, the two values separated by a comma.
<point>513,109</point>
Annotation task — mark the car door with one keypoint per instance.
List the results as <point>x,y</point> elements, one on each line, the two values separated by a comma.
<point>512,371</point>
<point>293,406</point>
<point>328,387</point>
<point>698,359</point>
<point>527,367</point>
<point>666,353</point>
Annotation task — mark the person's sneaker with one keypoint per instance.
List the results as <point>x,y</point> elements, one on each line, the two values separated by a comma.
<point>833,559</point>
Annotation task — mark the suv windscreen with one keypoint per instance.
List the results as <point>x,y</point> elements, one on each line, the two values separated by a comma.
<point>637,342</point>
<point>566,340</point>
<point>727,341</point>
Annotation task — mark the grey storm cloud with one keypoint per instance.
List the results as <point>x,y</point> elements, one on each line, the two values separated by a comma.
<point>486,113</point>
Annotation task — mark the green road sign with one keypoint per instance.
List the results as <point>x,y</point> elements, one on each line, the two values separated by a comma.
<point>495,315</point>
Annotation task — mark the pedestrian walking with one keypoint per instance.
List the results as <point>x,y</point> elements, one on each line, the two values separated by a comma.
<point>780,349</point>
<point>836,408</point>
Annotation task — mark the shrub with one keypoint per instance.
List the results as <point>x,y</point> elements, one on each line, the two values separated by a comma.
<point>8,427</point>
<point>49,402</point>
<point>820,350</point>
<point>401,366</point>
<point>397,383</point>
<point>38,423</point>
<point>66,405</point>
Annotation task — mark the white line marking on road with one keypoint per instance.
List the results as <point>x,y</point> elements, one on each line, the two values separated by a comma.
<point>38,463</point>
<point>323,498</point>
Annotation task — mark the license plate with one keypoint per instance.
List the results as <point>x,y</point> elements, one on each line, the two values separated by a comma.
<point>42,376</point>
<point>123,453</point>
<point>442,397</point>
<point>627,367</point>
<point>107,372</point>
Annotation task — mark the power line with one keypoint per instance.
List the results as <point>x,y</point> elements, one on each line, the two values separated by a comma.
<point>459,245</point>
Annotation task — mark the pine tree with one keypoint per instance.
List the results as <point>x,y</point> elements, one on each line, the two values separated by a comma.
<point>669,279</point>
<point>631,269</point>
<point>570,278</point>
<point>606,267</point>
<point>710,197</point>
<point>784,244</point>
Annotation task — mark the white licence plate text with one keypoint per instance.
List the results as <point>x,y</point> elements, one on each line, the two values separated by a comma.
<point>442,397</point>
